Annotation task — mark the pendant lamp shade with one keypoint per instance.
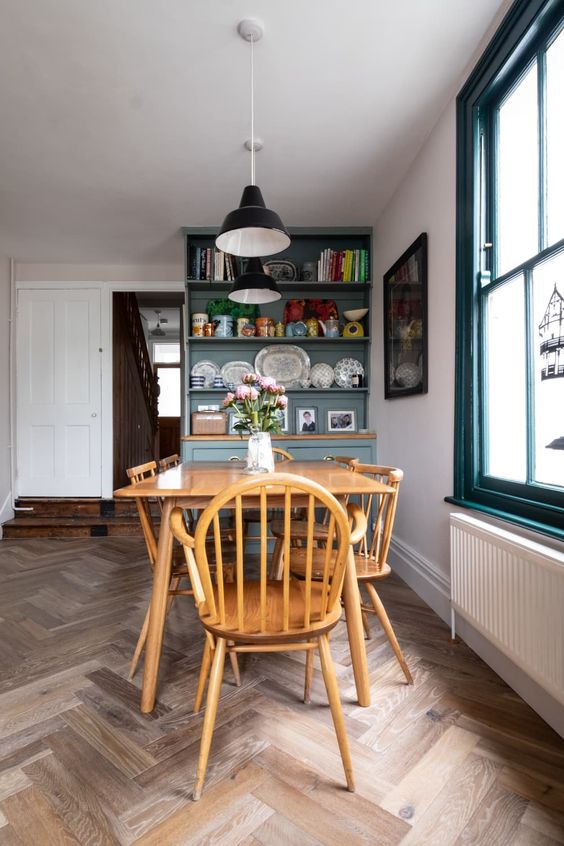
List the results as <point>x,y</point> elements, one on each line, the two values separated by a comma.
<point>252,229</point>
<point>254,286</point>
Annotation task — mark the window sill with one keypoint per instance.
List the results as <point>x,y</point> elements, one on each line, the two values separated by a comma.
<point>525,523</point>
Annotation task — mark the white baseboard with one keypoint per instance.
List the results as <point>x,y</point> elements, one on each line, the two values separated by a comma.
<point>423,576</point>
<point>433,586</point>
<point>6,511</point>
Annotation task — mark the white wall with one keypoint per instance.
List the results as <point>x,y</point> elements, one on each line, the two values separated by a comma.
<point>5,489</point>
<point>416,433</point>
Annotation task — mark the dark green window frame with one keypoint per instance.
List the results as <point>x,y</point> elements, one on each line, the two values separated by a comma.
<point>524,34</point>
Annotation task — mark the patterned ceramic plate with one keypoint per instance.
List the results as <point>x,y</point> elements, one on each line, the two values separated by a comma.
<point>345,369</point>
<point>233,372</point>
<point>287,364</point>
<point>208,369</point>
<point>322,376</point>
<point>282,270</point>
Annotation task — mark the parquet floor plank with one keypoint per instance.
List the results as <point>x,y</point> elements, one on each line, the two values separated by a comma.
<point>457,759</point>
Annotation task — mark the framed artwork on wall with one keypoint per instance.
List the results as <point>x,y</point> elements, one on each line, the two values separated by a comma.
<point>405,323</point>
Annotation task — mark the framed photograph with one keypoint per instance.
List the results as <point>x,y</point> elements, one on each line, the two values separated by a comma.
<point>306,421</point>
<point>405,323</point>
<point>208,408</point>
<point>341,421</point>
<point>283,418</point>
<point>231,420</point>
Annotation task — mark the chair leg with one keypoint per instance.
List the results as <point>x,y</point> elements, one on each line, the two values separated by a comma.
<point>204,672</point>
<point>140,644</point>
<point>235,666</point>
<point>216,676</point>
<point>145,628</point>
<point>330,680</point>
<point>365,625</point>
<point>387,626</point>
<point>308,676</point>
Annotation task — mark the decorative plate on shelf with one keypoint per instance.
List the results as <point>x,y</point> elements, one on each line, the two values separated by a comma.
<point>322,376</point>
<point>345,369</point>
<point>208,369</point>
<point>233,371</point>
<point>281,270</point>
<point>287,364</point>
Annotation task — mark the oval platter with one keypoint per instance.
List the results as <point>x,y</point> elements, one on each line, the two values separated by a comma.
<point>287,364</point>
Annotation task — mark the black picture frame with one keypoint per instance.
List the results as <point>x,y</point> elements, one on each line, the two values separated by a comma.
<point>405,323</point>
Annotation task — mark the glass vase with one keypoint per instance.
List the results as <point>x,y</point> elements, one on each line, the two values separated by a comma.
<point>260,458</point>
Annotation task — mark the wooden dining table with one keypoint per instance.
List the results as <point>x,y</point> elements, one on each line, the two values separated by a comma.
<point>192,485</point>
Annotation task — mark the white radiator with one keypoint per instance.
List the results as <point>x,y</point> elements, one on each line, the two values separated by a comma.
<point>511,590</point>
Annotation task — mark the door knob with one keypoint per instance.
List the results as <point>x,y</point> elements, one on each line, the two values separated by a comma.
<point>93,414</point>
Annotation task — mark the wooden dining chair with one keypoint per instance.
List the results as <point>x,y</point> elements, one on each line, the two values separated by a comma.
<point>251,515</point>
<point>262,615</point>
<point>179,568</point>
<point>298,530</point>
<point>371,556</point>
<point>168,462</point>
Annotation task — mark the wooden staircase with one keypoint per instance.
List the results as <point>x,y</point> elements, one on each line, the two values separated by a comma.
<point>74,518</point>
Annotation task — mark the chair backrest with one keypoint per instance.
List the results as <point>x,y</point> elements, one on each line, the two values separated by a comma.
<point>169,461</point>
<point>380,510</point>
<point>136,475</point>
<point>281,455</point>
<point>298,610</point>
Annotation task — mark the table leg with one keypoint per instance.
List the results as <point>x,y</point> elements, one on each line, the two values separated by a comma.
<point>159,596</point>
<point>351,601</point>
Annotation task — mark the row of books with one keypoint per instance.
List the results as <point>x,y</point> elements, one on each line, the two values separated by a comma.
<point>343,266</point>
<point>212,265</point>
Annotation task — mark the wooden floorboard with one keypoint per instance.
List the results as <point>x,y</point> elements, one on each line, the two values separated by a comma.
<point>456,759</point>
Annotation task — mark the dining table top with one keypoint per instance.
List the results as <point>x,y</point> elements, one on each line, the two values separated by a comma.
<point>207,478</point>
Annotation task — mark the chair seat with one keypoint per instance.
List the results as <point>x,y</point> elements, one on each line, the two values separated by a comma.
<point>298,529</point>
<point>366,568</point>
<point>274,602</point>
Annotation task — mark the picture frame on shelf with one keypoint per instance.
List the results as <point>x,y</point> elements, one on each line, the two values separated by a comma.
<point>283,417</point>
<point>231,420</point>
<point>306,420</point>
<point>341,420</point>
<point>405,322</point>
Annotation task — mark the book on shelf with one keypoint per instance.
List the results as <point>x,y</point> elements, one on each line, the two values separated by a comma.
<point>210,264</point>
<point>343,266</point>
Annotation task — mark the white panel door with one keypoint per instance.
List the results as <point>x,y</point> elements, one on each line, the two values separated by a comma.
<point>58,366</point>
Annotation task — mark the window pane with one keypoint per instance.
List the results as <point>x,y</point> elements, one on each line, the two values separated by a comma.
<point>169,396</point>
<point>555,139</point>
<point>517,209</point>
<point>548,349</point>
<point>166,353</point>
<point>506,381</point>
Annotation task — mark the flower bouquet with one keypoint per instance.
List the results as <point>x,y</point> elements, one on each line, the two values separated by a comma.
<point>257,404</point>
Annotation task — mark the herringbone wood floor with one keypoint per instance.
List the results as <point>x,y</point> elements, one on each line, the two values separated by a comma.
<point>456,759</point>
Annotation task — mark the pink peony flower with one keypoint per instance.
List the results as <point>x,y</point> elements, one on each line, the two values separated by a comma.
<point>242,392</point>
<point>267,382</point>
<point>250,378</point>
<point>228,399</point>
<point>282,402</point>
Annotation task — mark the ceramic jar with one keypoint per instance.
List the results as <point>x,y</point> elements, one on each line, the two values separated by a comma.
<point>223,326</point>
<point>262,326</point>
<point>199,319</point>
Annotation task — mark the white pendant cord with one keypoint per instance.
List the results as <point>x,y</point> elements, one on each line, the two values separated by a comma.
<point>252,110</point>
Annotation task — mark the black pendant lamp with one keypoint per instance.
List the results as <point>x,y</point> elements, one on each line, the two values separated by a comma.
<point>252,229</point>
<point>254,286</point>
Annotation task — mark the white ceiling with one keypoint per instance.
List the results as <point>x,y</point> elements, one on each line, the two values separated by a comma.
<point>123,120</point>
